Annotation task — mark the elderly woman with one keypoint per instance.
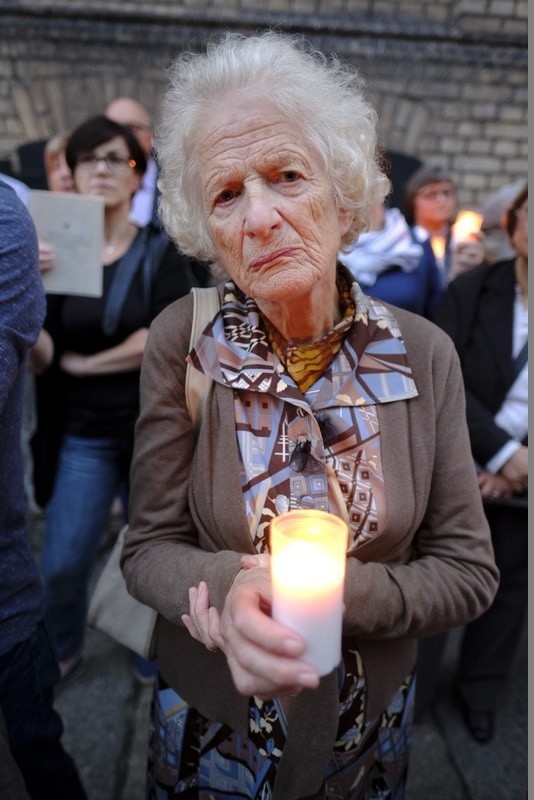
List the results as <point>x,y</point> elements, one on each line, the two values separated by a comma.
<point>318,393</point>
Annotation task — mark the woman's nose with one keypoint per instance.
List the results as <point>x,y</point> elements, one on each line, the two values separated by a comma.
<point>261,215</point>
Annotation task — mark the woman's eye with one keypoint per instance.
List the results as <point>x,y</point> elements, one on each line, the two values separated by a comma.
<point>226,196</point>
<point>290,176</point>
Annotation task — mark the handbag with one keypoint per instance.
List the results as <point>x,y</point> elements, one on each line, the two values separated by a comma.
<point>112,609</point>
<point>115,612</point>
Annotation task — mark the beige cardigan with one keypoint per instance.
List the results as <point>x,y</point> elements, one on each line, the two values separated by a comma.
<point>431,568</point>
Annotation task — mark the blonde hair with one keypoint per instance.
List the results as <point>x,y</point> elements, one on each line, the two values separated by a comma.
<point>320,95</point>
<point>54,147</point>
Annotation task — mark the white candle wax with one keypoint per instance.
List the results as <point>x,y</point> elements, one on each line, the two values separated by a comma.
<point>308,569</point>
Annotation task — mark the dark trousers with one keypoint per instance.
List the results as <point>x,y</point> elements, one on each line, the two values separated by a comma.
<point>11,782</point>
<point>28,674</point>
<point>489,643</point>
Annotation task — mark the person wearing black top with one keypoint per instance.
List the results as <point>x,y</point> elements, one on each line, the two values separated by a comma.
<point>89,397</point>
<point>485,312</point>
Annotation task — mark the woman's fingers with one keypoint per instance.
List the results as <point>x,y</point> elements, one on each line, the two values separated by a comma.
<point>264,656</point>
<point>202,622</point>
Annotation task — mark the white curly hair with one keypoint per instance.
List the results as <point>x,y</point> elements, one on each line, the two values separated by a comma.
<point>320,95</point>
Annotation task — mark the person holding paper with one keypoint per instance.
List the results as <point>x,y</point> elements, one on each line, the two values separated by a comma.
<point>89,397</point>
<point>320,398</point>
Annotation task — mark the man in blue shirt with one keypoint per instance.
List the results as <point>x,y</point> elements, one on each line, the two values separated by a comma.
<point>28,666</point>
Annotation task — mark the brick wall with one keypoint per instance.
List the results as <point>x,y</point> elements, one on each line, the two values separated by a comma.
<point>448,78</point>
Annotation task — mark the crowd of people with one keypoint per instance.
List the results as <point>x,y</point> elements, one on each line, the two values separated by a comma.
<point>362,361</point>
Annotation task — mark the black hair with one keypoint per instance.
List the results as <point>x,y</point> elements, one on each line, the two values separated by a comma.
<point>99,130</point>
<point>421,177</point>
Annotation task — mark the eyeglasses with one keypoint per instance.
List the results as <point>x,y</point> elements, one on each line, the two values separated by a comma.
<point>114,163</point>
<point>434,194</point>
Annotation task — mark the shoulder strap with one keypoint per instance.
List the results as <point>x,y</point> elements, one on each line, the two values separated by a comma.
<point>156,246</point>
<point>206,303</point>
<point>122,280</point>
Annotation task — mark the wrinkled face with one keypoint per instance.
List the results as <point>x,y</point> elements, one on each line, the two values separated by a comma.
<point>108,171</point>
<point>435,204</point>
<point>270,206</point>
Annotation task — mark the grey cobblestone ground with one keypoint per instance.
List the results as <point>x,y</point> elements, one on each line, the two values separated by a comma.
<point>105,713</point>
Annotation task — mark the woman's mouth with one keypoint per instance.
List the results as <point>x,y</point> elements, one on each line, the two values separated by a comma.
<point>269,259</point>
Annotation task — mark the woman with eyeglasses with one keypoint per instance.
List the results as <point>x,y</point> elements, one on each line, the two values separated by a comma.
<point>89,397</point>
<point>430,205</point>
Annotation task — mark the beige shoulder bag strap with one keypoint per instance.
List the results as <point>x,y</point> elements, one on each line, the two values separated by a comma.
<point>206,303</point>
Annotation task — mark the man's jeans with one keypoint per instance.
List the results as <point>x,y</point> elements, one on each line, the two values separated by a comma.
<point>28,674</point>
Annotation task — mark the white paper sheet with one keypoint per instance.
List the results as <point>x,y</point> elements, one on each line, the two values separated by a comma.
<point>73,225</point>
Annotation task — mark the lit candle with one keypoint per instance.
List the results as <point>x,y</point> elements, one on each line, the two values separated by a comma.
<point>438,246</point>
<point>308,550</point>
<point>467,226</point>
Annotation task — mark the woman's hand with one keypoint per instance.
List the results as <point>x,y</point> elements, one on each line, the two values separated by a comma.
<point>263,656</point>
<point>494,487</point>
<point>41,354</point>
<point>47,257</point>
<point>466,255</point>
<point>75,364</point>
<point>124,357</point>
<point>202,622</point>
<point>516,470</point>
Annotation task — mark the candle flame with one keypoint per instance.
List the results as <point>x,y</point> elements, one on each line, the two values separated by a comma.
<point>438,246</point>
<point>467,225</point>
<point>301,567</point>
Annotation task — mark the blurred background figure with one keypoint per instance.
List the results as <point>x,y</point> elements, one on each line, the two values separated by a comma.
<point>136,118</point>
<point>497,244</point>
<point>485,311</point>
<point>58,174</point>
<point>88,398</point>
<point>144,210</point>
<point>430,205</point>
<point>390,264</point>
<point>28,667</point>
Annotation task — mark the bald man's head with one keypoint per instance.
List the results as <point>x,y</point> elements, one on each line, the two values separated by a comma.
<point>134,116</point>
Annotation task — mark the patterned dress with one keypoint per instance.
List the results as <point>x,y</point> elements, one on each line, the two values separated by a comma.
<point>308,437</point>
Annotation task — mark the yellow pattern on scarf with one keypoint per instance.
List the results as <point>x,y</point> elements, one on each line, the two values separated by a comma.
<point>306,363</point>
